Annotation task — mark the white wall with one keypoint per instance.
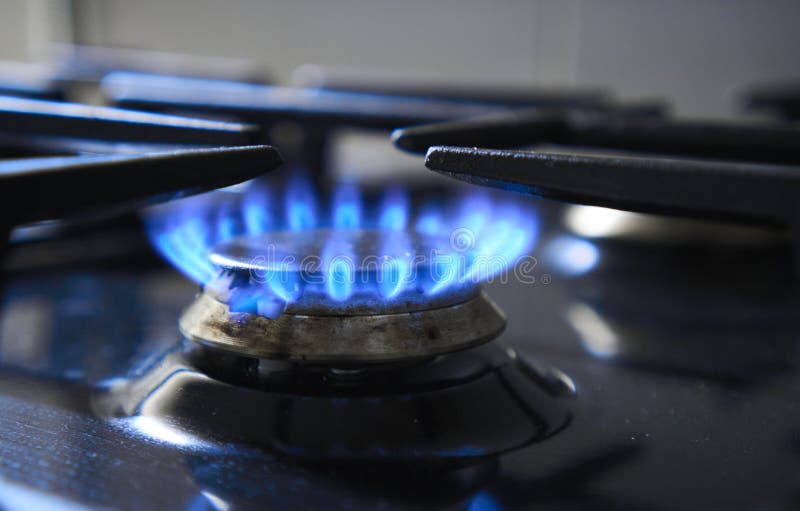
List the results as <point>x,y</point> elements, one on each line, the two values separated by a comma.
<point>463,38</point>
<point>695,51</point>
<point>28,26</point>
<point>699,51</point>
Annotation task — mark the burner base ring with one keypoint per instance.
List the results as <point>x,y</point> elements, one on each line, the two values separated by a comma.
<point>344,340</point>
<point>451,412</point>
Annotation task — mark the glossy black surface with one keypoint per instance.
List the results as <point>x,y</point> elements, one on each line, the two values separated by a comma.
<point>686,398</point>
<point>429,413</point>
<point>782,99</point>
<point>265,104</point>
<point>633,127</point>
<point>646,163</point>
<point>36,189</point>
<point>696,188</point>
<point>36,120</point>
<point>99,160</point>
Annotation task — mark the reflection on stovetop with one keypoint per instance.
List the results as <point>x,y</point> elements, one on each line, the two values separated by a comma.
<point>651,427</point>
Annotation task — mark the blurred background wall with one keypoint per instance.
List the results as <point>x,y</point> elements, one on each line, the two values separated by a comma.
<point>697,52</point>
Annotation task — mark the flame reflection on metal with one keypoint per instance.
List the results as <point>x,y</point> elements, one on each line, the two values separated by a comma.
<point>596,335</point>
<point>571,256</point>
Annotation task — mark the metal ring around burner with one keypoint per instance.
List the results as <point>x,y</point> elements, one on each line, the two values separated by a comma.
<point>344,340</point>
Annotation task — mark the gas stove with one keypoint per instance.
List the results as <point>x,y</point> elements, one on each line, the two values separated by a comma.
<point>296,341</point>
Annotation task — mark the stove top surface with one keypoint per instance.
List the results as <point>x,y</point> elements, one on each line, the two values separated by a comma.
<point>672,410</point>
<point>632,373</point>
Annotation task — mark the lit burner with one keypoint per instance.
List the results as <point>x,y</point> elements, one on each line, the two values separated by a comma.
<point>373,272</point>
<point>299,340</point>
<point>275,298</point>
<point>372,281</point>
<point>468,239</point>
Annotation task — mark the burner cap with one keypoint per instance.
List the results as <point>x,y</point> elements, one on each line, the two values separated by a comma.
<point>338,272</point>
<point>276,297</point>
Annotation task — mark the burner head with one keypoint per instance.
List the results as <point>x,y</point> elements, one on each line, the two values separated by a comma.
<point>382,296</point>
<point>338,272</point>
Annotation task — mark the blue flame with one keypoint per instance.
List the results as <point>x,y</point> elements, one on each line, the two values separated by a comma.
<point>393,272</point>
<point>256,211</point>
<point>483,501</point>
<point>430,221</point>
<point>341,278</point>
<point>394,211</point>
<point>226,223</point>
<point>183,242</point>
<point>301,208</point>
<point>474,238</point>
<point>395,266</point>
<point>347,207</point>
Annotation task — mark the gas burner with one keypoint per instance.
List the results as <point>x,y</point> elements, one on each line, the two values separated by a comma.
<point>276,346</point>
<point>377,329</point>
<point>378,279</point>
<point>369,271</point>
<point>276,298</point>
